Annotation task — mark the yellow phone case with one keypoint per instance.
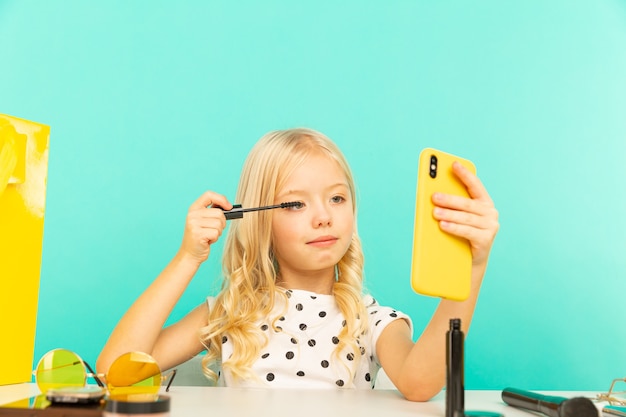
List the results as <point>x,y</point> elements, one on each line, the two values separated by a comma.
<point>441,262</point>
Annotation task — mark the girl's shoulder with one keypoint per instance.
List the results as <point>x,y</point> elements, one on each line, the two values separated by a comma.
<point>380,316</point>
<point>372,304</point>
<point>210,302</point>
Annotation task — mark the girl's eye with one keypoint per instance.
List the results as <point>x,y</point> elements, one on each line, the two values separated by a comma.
<point>337,199</point>
<point>295,205</point>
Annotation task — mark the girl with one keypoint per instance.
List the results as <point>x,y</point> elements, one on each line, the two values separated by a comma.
<point>292,311</point>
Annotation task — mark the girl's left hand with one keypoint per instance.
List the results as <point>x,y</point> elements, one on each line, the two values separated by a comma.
<point>474,218</point>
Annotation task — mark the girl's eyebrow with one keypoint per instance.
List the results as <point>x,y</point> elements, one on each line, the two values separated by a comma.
<point>304,192</point>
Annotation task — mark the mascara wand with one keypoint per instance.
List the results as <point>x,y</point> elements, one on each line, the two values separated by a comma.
<point>237,212</point>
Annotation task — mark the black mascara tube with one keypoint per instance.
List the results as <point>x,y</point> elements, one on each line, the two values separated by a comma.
<point>455,388</point>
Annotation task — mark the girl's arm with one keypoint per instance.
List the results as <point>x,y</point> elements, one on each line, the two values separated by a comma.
<point>418,369</point>
<point>141,327</point>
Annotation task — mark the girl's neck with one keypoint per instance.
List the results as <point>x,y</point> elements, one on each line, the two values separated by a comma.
<point>320,282</point>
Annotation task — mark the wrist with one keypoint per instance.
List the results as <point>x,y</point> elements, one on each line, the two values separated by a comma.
<point>186,260</point>
<point>478,273</point>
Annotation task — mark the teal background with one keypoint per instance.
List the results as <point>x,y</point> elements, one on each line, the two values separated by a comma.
<point>152,102</point>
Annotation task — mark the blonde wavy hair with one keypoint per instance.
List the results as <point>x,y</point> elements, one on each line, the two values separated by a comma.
<point>249,289</point>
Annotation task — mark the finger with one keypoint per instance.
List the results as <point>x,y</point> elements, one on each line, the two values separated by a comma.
<point>480,231</point>
<point>207,213</point>
<point>481,221</point>
<point>209,198</point>
<point>480,240</point>
<point>461,230</point>
<point>474,186</point>
<point>204,218</point>
<point>210,235</point>
<point>455,202</point>
<point>204,232</point>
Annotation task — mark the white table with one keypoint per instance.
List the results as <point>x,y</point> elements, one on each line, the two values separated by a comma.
<point>214,401</point>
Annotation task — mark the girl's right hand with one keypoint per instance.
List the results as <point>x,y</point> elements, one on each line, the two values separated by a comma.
<point>204,225</point>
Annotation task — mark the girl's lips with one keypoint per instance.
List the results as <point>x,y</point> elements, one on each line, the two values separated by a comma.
<point>323,241</point>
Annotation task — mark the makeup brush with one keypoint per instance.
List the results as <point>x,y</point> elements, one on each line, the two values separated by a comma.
<point>550,406</point>
<point>237,212</point>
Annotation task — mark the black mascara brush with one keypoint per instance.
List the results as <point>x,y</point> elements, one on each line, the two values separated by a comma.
<point>237,212</point>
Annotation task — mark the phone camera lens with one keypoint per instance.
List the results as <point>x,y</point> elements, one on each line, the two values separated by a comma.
<point>433,166</point>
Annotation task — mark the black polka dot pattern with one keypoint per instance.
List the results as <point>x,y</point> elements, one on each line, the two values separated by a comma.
<point>302,351</point>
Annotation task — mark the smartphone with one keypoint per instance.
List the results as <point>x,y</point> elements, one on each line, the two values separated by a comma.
<point>441,263</point>
<point>76,395</point>
<point>40,406</point>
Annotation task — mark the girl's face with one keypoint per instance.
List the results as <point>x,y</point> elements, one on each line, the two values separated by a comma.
<point>309,240</point>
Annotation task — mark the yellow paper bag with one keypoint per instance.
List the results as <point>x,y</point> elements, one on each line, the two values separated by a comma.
<point>23,173</point>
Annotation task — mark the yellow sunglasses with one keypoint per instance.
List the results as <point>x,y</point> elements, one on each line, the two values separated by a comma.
<point>134,374</point>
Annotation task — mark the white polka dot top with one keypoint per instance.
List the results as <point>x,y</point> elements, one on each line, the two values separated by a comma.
<point>301,352</point>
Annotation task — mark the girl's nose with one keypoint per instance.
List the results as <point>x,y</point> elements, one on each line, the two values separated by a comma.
<point>322,216</point>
